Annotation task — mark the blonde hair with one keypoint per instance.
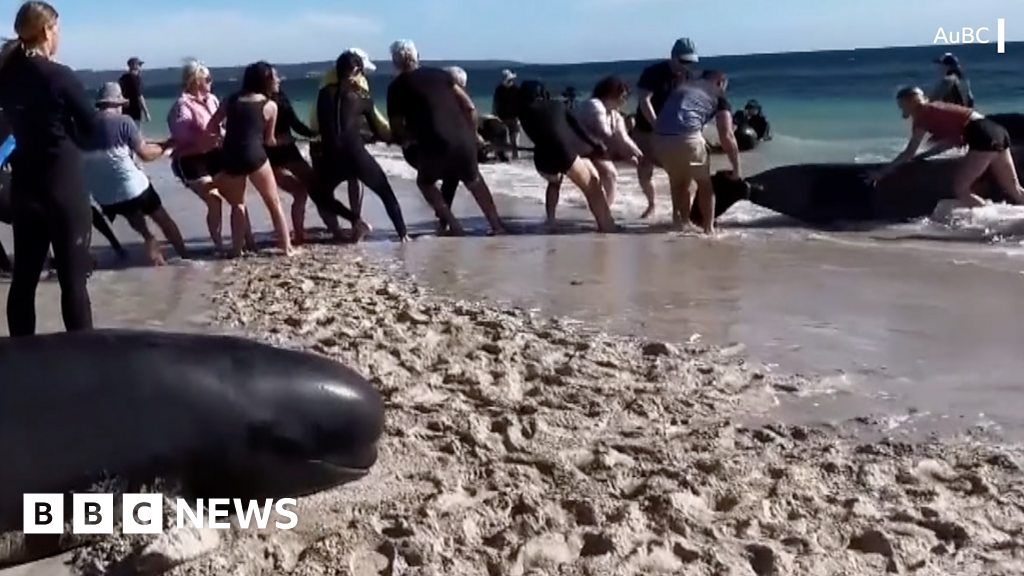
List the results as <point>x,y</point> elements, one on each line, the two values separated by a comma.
<point>191,71</point>
<point>31,24</point>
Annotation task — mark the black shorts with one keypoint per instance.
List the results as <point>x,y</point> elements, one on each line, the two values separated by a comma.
<point>282,156</point>
<point>985,135</point>
<point>459,163</point>
<point>198,167</point>
<point>146,203</point>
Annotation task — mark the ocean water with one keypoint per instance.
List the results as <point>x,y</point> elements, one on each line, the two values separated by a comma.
<point>842,98</point>
<point>834,106</point>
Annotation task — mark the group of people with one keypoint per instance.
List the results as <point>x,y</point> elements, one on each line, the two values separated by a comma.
<point>70,148</point>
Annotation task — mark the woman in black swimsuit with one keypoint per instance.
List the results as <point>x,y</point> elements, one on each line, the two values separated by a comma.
<point>249,117</point>
<point>291,170</point>
<point>340,109</point>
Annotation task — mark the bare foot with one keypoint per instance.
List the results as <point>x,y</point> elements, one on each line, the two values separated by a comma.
<point>360,231</point>
<point>647,213</point>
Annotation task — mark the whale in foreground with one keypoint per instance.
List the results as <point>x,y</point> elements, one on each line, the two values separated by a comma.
<point>222,417</point>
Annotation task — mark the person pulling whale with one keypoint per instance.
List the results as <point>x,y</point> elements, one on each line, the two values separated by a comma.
<point>952,126</point>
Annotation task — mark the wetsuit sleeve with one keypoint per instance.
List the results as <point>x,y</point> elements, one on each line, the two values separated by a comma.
<point>78,105</point>
<point>326,111</point>
<point>396,111</point>
<point>292,120</point>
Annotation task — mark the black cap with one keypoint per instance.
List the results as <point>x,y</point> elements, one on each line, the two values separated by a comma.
<point>948,59</point>
<point>135,61</point>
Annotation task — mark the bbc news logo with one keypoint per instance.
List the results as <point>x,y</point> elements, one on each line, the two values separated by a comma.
<point>968,35</point>
<point>94,514</point>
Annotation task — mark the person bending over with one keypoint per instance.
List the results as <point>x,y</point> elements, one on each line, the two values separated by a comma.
<point>952,126</point>
<point>601,120</point>
<point>340,108</point>
<point>681,148</point>
<point>114,180</point>
<point>559,146</point>
<point>425,106</point>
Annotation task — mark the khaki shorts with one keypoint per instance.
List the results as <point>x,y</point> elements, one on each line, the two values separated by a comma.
<point>683,157</point>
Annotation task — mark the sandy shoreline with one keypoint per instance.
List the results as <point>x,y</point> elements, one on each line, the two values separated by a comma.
<point>517,444</point>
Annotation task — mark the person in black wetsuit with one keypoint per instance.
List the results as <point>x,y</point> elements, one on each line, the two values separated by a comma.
<point>559,144</point>
<point>249,118</point>
<point>293,174</point>
<point>50,113</point>
<point>753,115</point>
<point>424,107</point>
<point>340,108</point>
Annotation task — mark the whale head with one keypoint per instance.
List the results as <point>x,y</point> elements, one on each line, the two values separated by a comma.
<point>309,424</point>
<point>728,191</point>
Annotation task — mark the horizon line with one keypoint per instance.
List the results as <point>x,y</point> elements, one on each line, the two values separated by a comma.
<point>947,47</point>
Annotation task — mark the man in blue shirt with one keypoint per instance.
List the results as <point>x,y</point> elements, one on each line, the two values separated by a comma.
<point>680,146</point>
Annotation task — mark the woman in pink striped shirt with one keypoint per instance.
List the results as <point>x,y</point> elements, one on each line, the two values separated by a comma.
<point>197,158</point>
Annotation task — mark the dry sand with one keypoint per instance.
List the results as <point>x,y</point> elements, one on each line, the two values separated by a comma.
<point>517,444</point>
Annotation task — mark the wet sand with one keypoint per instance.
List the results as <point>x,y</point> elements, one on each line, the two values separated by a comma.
<point>926,340</point>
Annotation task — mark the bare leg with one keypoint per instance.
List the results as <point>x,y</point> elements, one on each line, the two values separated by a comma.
<point>138,223</point>
<point>706,200</point>
<point>1006,175</point>
<point>682,200</point>
<point>485,200</point>
<point>609,176</point>
<point>207,192</point>
<point>645,172</point>
<point>263,180</point>
<point>289,183</point>
<point>584,175</point>
<point>170,231</point>
<point>233,190</point>
<point>971,168</point>
<point>434,198</point>
<point>551,196</point>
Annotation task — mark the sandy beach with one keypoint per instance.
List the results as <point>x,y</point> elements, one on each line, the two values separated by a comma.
<point>529,433</point>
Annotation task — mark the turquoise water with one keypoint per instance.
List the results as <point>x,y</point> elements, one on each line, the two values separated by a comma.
<point>813,98</point>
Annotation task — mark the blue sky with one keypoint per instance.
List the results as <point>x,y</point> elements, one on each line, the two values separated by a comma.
<point>102,34</point>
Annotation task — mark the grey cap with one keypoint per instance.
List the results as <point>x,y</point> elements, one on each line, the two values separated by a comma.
<point>684,51</point>
<point>110,94</point>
